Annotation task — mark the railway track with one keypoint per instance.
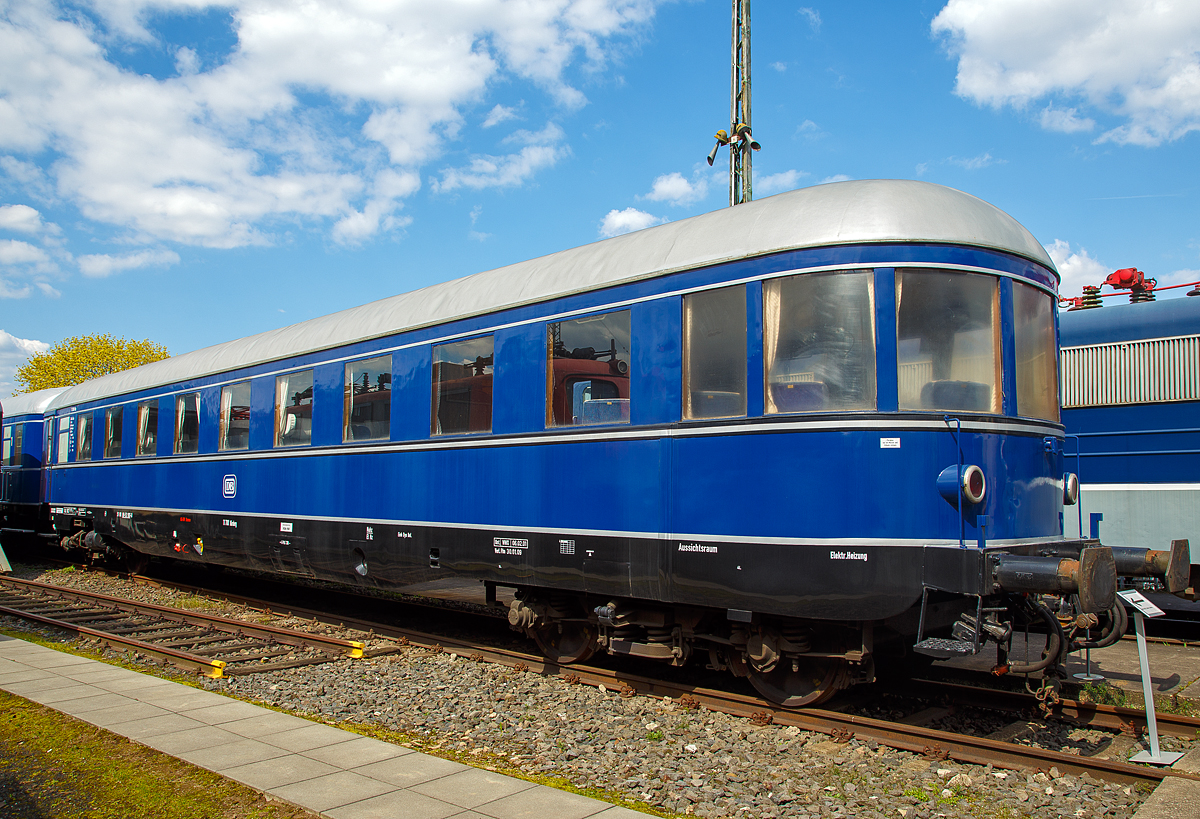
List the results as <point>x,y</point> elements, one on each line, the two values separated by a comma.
<point>211,646</point>
<point>841,727</point>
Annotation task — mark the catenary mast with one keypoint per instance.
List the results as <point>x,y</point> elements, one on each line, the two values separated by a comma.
<point>739,138</point>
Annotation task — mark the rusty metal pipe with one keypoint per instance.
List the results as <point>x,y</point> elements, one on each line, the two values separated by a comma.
<point>1172,565</point>
<point>1093,576</point>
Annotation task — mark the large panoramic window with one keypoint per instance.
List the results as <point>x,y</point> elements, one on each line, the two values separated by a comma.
<point>83,436</point>
<point>367,410</point>
<point>235,417</point>
<point>462,386</point>
<point>714,353</point>
<point>187,423</point>
<point>587,370</point>
<point>1037,370</point>
<point>112,432</point>
<point>293,408</point>
<point>947,341</point>
<point>819,342</point>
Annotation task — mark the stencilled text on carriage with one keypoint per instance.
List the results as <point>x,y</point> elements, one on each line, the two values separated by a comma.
<point>848,556</point>
<point>697,547</point>
<point>509,545</point>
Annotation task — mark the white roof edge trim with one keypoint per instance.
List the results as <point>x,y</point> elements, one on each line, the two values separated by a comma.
<point>841,213</point>
<point>29,403</point>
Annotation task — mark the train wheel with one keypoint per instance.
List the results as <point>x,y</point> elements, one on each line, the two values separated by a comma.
<point>566,643</point>
<point>812,683</point>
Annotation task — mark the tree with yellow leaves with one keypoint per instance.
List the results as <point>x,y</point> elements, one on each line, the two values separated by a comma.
<point>81,358</point>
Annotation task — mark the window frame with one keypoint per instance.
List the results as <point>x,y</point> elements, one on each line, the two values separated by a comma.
<point>80,438</point>
<point>116,412</point>
<point>348,397</point>
<point>612,375</point>
<point>147,433</point>
<point>687,411</point>
<point>283,384</point>
<point>225,419</point>
<point>438,398</point>
<point>180,415</point>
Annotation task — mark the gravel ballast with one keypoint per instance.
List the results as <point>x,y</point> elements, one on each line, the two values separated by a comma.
<point>643,751</point>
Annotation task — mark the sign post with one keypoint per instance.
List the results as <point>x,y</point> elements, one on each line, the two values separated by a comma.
<point>1143,608</point>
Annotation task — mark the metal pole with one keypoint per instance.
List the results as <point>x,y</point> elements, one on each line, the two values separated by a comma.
<point>740,185</point>
<point>1155,757</point>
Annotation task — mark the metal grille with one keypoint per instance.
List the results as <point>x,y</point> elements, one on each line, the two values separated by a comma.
<point>1132,372</point>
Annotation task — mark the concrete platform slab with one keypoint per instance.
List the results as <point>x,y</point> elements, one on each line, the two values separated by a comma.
<point>79,699</point>
<point>332,791</point>
<point>105,717</point>
<point>227,711</point>
<point>356,752</point>
<point>141,729</point>
<point>177,698</point>
<point>307,736</point>
<point>98,675</point>
<point>472,787</point>
<point>396,805</point>
<point>410,770</point>
<point>39,685</point>
<point>539,802</point>
<point>180,742</point>
<point>232,755</point>
<point>273,773</point>
<point>265,727</point>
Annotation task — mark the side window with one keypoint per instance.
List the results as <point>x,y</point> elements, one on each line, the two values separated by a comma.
<point>948,341</point>
<point>64,440</point>
<point>367,411</point>
<point>147,422</point>
<point>819,342</point>
<point>83,436</point>
<point>714,353</point>
<point>13,441</point>
<point>587,370</point>
<point>462,386</point>
<point>293,408</point>
<point>1037,351</point>
<point>187,423</point>
<point>235,417</point>
<point>112,432</point>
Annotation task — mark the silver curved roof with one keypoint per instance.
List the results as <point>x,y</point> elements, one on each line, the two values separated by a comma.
<point>29,403</point>
<point>858,212</point>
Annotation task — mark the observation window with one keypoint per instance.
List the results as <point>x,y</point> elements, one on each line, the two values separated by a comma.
<point>293,408</point>
<point>14,435</point>
<point>1037,371</point>
<point>714,353</point>
<point>587,370</point>
<point>462,386</point>
<point>64,440</point>
<point>819,342</point>
<point>235,417</point>
<point>187,423</point>
<point>112,432</point>
<point>367,410</point>
<point>147,420</point>
<point>83,436</point>
<point>947,345</point>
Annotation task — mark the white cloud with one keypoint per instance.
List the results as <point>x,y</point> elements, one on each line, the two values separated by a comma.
<point>22,219</point>
<point>1065,120</point>
<point>812,16</point>
<point>498,115</point>
<point>1177,277</point>
<point>14,352</point>
<point>673,188</point>
<point>837,177</point>
<point>809,130</point>
<point>1076,269</point>
<point>617,222</point>
<point>99,265</point>
<point>976,163</point>
<point>780,67</point>
<point>14,252</point>
<point>486,171</point>
<point>219,154</point>
<point>776,182</point>
<point>1139,61</point>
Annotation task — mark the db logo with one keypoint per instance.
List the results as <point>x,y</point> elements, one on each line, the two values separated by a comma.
<point>229,486</point>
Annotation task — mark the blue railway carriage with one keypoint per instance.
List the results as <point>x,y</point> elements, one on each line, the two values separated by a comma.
<point>1131,400</point>
<point>23,443</point>
<point>781,437</point>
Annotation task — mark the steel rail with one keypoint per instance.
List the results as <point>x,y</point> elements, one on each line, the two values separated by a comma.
<point>916,739</point>
<point>350,648</point>
<point>1107,717</point>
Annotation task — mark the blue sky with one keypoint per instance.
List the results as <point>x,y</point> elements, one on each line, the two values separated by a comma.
<point>193,172</point>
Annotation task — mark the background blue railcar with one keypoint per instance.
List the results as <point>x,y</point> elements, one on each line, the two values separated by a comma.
<point>22,458</point>
<point>777,433</point>
<point>1131,393</point>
